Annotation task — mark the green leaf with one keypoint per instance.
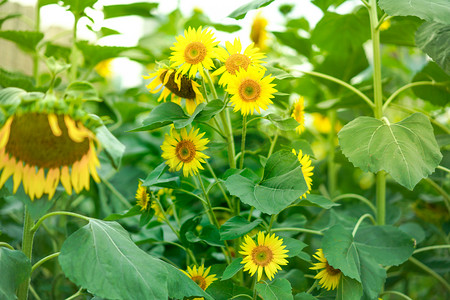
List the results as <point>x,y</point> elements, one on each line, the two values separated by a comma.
<point>379,240</point>
<point>12,16</point>
<point>401,32</point>
<point>46,2</point>
<point>294,246</point>
<point>232,269</point>
<point>286,124</point>
<point>26,40</point>
<point>142,9</point>
<point>318,201</point>
<point>77,7</point>
<point>113,147</point>
<point>292,39</point>
<point>372,274</point>
<point>11,96</point>
<point>407,150</point>
<point>237,226</point>
<point>324,4</point>
<point>210,110</point>
<point>55,66</point>
<point>433,39</point>
<point>82,90</point>
<point>187,230</point>
<point>93,54</point>
<point>134,211</point>
<point>244,9</point>
<point>282,184</point>
<point>226,27</point>
<point>414,230</point>
<point>304,296</point>
<point>18,80</point>
<point>101,258</point>
<point>164,114</point>
<point>436,94</point>
<point>16,268</point>
<point>349,289</point>
<point>58,51</point>
<point>278,73</point>
<point>279,289</point>
<point>430,10</point>
<point>154,178</point>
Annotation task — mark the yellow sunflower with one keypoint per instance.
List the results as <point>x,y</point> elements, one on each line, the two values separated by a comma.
<point>180,86</point>
<point>142,197</point>
<point>104,68</point>
<point>299,114</point>
<point>234,59</point>
<point>323,124</point>
<point>329,276</point>
<point>268,254</point>
<point>182,150</point>
<point>258,33</point>
<point>305,162</point>
<point>250,91</point>
<point>194,51</point>
<point>40,149</point>
<point>201,276</point>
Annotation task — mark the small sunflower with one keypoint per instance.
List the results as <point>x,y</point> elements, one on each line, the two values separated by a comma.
<point>299,114</point>
<point>258,33</point>
<point>268,254</point>
<point>104,68</point>
<point>305,162</point>
<point>180,86</point>
<point>194,51</point>
<point>41,148</point>
<point>323,124</point>
<point>182,150</point>
<point>200,276</point>
<point>385,25</point>
<point>234,59</point>
<point>329,276</point>
<point>142,197</point>
<point>250,90</point>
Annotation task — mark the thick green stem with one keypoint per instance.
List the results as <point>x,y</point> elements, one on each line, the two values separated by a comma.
<point>27,249</point>
<point>244,134</point>
<point>381,197</point>
<point>332,175</point>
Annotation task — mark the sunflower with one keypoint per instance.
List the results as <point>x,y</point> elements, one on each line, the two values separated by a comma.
<point>258,33</point>
<point>299,114</point>
<point>250,90</point>
<point>329,276</point>
<point>200,276</point>
<point>323,124</point>
<point>182,150</point>
<point>267,255</point>
<point>234,59</point>
<point>40,149</point>
<point>194,51</point>
<point>104,68</point>
<point>305,162</point>
<point>180,86</point>
<point>142,197</point>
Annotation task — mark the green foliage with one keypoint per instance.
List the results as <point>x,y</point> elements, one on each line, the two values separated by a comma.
<point>430,10</point>
<point>77,7</point>
<point>240,12</point>
<point>433,39</point>
<point>142,9</point>
<point>401,32</point>
<point>82,90</point>
<point>407,150</point>
<point>325,4</point>
<point>16,268</point>
<point>93,54</point>
<point>318,201</point>
<point>279,289</point>
<point>112,146</point>
<point>436,94</point>
<point>286,124</point>
<point>232,269</point>
<point>349,289</point>
<point>26,40</point>
<point>236,227</point>
<point>294,246</point>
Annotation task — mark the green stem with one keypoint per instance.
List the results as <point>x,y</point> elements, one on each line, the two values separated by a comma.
<point>432,120</point>
<point>47,258</point>
<point>360,221</point>
<point>250,213</point>
<point>6,245</point>
<point>381,197</point>
<point>244,134</point>
<point>396,293</point>
<point>27,249</point>
<point>297,230</point>
<point>272,219</point>
<point>430,271</point>
<point>309,291</point>
<point>224,193</point>
<point>56,213</point>
<point>358,197</point>
<point>365,3</point>
<point>74,53</point>
<point>440,191</point>
<point>273,143</point>
<point>431,248</point>
<point>255,293</point>
<point>37,28</point>
<point>78,293</point>
<point>332,175</point>
<point>342,83</point>
<point>443,169</point>
<point>121,198</point>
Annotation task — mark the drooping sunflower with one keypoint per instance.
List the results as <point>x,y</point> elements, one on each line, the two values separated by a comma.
<point>266,255</point>
<point>183,150</point>
<point>178,85</point>
<point>307,169</point>
<point>40,147</point>
<point>234,59</point>
<point>258,33</point>
<point>329,276</point>
<point>299,114</point>
<point>201,276</point>
<point>194,51</point>
<point>250,91</point>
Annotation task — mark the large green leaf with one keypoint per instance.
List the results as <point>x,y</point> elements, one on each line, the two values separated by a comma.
<point>101,258</point>
<point>349,289</point>
<point>93,54</point>
<point>236,227</point>
<point>142,9</point>
<point>241,11</point>
<point>433,38</point>
<point>282,184</point>
<point>318,201</point>
<point>430,10</point>
<point>294,246</point>
<point>292,39</point>
<point>27,40</point>
<point>164,114</point>
<point>401,32</point>
<point>279,289</point>
<point>15,268</point>
<point>407,150</point>
<point>436,94</point>
<point>324,4</point>
<point>113,147</point>
<point>155,178</point>
<point>232,268</point>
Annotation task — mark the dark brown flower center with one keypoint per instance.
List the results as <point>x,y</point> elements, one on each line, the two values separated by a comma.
<point>200,281</point>
<point>32,141</point>
<point>249,90</point>
<point>262,256</point>
<point>195,53</point>
<point>332,271</point>
<point>185,91</point>
<point>236,61</point>
<point>185,151</point>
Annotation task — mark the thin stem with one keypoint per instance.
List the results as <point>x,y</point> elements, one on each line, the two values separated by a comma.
<point>166,219</point>
<point>297,230</point>
<point>167,242</point>
<point>27,249</point>
<point>208,208</point>
<point>224,193</point>
<point>365,3</point>
<point>47,258</point>
<point>431,248</point>
<point>381,20</point>
<point>342,83</point>
<point>78,293</point>
<point>440,191</point>
<point>56,213</point>
<point>6,245</point>
<point>272,219</point>
<point>244,133</point>
<point>37,28</point>
<point>443,169</point>
<point>430,271</point>
<point>222,208</point>
<point>74,53</point>
<point>396,293</point>
<point>272,144</point>
<point>332,178</point>
<point>358,197</point>
<point>365,216</point>
<point>121,198</point>
<point>250,213</point>
<point>381,197</point>
<point>241,295</point>
<point>192,194</point>
<point>407,86</point>
<point>255,293</point>
<point>312,287</point>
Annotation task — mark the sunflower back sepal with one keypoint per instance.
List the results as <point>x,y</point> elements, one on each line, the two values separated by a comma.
<point>81,91</point>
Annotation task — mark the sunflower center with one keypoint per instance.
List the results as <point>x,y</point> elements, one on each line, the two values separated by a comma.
<point>236,61</point>
<point>185,151</point>
<point>194,53</point>
<point>262,256</point>
<point>185,91</point>
<point>32,141</point>
<point>249,90</point>
<point>332,271</point>
<point>200,281</point>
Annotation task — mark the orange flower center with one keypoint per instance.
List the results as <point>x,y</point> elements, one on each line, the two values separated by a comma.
<point>200,281</point>
<point>195,53</point>
<point>249,90</point>
<point>262,256</point>
<point>236,61</point>
<point>185,151</point>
